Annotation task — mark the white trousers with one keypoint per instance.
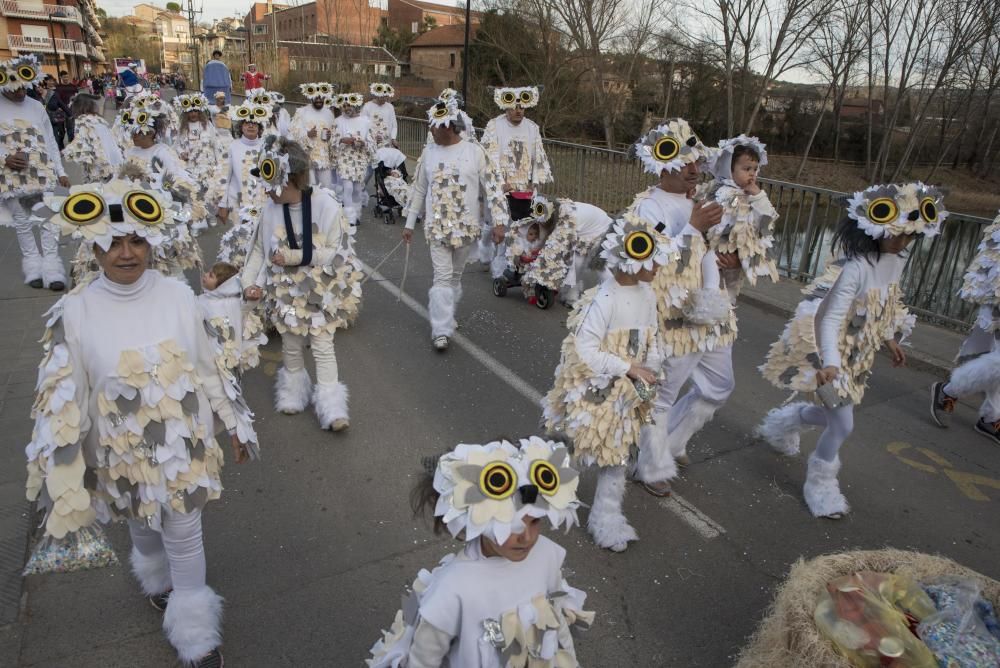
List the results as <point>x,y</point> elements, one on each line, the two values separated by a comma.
<point>293,355</point>
<point>979,373</point>
<point>39,257</point>
<point>353,197</point>
<point>322,177</point>
<point>446,289</point>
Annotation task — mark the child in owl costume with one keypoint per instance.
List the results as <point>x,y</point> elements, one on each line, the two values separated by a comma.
<point>353,147</point>
<point>202,152</point>
<point>607,371</point>
<point>502,600</point>
<point>827,350</point>
<point>94,149</point>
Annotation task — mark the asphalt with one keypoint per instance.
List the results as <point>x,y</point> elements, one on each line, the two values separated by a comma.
<point>312,546</point>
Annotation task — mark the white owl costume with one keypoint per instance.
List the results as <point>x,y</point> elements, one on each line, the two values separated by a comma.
<point>321,122</point>
<point>94,149</point>
<point>243,189</point>
<point>203,154</point>
<point>592,400</point>
<point>848,314</point>
<point>125,416</point>
<point>351,162</point>
<point>476,611</point>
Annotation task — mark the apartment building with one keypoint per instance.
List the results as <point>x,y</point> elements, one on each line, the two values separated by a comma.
<point>63,34</point>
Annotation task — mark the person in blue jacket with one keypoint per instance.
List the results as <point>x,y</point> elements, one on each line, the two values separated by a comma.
<point>217,78</point>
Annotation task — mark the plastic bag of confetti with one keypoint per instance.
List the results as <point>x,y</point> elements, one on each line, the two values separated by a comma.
<point>87,548</point>
<point>959,632</point>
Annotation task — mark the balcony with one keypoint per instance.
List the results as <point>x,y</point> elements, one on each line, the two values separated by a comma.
<point>39,11</point>
<point>28,44</point>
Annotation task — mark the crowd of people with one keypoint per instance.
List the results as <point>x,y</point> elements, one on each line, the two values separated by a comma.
<point>137,400</point>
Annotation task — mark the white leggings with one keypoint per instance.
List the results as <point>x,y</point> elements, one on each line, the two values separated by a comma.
<point>181,539</point>
<point>838,423</point>
<point>352,196</point>
<point>293,355</point>
<point>322,177</point>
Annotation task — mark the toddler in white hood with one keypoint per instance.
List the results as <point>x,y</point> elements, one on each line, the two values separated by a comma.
<point>239,335</point>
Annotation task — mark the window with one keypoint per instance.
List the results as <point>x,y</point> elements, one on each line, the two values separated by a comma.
<point>260,29</point>
<point>384,21</point>
<point>186,58</point>
<point>415,27</point>
<point>293,64</point>
<point>451,58</point>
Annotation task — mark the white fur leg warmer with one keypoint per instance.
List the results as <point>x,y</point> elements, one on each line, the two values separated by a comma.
<point>981,374</point>
<point>498,265</point>
<point>193,622</point>
<point>291,391</point>
<point>607,523</point>
<point>330,403</point>
<point>31,265</point>
<point>441,307</point>
<point>53,270</point>
<point>655,462</point>
<point>697,413</point>
<point>152,572</point>
<point>781,427</point>
<point>821,489</point>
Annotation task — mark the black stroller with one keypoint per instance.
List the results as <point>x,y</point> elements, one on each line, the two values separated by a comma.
<point>519,205</point>
<point>386,206</point>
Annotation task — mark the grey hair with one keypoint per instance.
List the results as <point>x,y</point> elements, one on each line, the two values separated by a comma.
<point>83,103</point>
<point>298,159</point>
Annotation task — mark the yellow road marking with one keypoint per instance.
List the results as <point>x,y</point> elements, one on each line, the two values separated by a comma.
<point>967,483</point>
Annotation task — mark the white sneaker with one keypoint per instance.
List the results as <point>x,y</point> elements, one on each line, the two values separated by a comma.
<point>441,343</point>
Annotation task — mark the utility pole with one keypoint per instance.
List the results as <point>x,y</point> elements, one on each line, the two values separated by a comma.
<point>196,69</point>
<point>465,54</point>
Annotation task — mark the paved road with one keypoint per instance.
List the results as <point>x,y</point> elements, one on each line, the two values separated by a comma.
<point>312,546</point>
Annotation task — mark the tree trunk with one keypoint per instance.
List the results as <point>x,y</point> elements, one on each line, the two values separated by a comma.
<point>812,136</point>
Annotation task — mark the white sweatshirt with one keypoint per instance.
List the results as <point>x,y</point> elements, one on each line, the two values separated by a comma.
<point>306,119</point>
<point>237,152</point>
<point>671,209</point>
<point>615,307</point>
<point>33,112</point>
<point>384,111</point>
<point>521,171</point>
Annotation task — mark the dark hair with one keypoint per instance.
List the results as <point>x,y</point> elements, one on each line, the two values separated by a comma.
<point>216,53</point>
<point>853,241</point>
<point>749,151</point>
<point>423,496</point>
<point>63,73</point>
<point>223,271</point>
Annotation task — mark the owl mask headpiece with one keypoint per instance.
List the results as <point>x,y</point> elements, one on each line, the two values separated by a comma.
<point>312,91</point>
<point>144,99</point>
<point>21,72</point>
<point>249,214</point>
<point>352,100</point>
<point>381,90</point>
<point>140,121</point>
<point>525,97</point>
<point>248,111</point>
<point>272,169</point>
<point>276,97</point>
<point>541,208</point>
<point>260,96</point>
<point>631,245</point>
<point>444,114</point>
<point>669,147</point>
<point>192,102</point>
<point>720,161</point>
<point>490,489</point>
<point>895,209</point>
<point>97,212</point>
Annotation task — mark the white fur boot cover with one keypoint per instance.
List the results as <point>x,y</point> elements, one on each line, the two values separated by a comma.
<point>821,490</point>
<point>291,391</point>
<point>498,264</point>
<point>607,523</point>
<point>152,572</point>
<point>330,403</point>
<point>31,265</point>
<point>655,462</point>
<point>193,622</point>
<point>53,270</point>
<point>781,427</point>
<point>441,307</point>
<point>696,415</point>
<point>981,374</point>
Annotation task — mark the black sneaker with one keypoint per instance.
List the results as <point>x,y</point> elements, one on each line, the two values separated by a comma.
<point>942,406</point>
<point>211,660</point>
<point>36,284</point>
<point>989,429</point>
<point>159,601</point>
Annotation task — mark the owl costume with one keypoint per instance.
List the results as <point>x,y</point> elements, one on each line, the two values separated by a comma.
<point>383,116</point>
<point>94,149</point>
<point>315,293</point>
<point>848,314</point>
<point>25,129</point>
<point>351,162</point>
<point>593,401</point>
<point>128,399</point>
<point>697,325</point>
<point>203,154</point>
<point>477,611</point>
<point>320,122</point>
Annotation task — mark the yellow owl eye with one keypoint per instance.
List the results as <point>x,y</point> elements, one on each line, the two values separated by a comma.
<point>525,97</point>
<point>539,210</point>
<point>508,97</point>
<point>639,245</point>
<point>545,476</point>
<point>666,148</point>
<point>83,208</point>
<point>440,111</point>
<point>243,112</point>
<point>26,73</point>
<point>310,90</point>
<point>144,207</point>
<point>253,213</point>
<point>265,100</point>
<point>141,118</point>
<point>268,169</point>
<point>928,209</point>
<point>497,480</point>
<point>3,77</point>
<point>260,112</point>
<point>185,103</point>
<point>883,210</point>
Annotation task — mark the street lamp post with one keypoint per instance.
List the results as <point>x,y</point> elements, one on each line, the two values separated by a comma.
<point>465,53</point>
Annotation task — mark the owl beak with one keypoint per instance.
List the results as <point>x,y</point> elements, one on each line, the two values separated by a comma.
<point>529,494</point>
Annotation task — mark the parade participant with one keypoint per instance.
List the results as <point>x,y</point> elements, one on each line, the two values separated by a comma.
<point>220,118</point>
<point>127,402</point>
<point>303,256</point>
<point>203,154</point>
<point>380,112</point>
<point>353,149</point>
<point>278,123</point>
<point>93,148</point>
<point>31,165</point>
<point>253,79</point>
<point>502,599</point>
<point>242,189</point>
<point>514,144</point>
<point>235,243</point>
<point>849,313</point>
<point>576,228</point>
<point>238,338</point>
<point>453,175</point>
<point>978,367</point>
<point>216,79</point>
<point>607,371</point>
<point>284,120</point>
<point>312,127</point>
<point>697,342</point>
<point>449,95</point>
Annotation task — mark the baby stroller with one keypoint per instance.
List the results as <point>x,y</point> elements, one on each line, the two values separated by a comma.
<point>510,266</point>
<point>387,204</point>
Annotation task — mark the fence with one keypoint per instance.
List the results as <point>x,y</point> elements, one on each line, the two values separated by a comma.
<point>610,180</point>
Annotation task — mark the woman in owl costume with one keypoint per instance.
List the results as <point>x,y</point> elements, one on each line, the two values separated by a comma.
<point>303,257</point>
<point>201,150</point>
<point>128,399</point>
<point>94,149</point>
<point>978,358</point>
<point>501,601</point>
<point>243,190</point>
<point>607,371</point>
<point>455,180</point>
<point>353,147</point>
<point>577,228</point>
<point>849,313</point>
